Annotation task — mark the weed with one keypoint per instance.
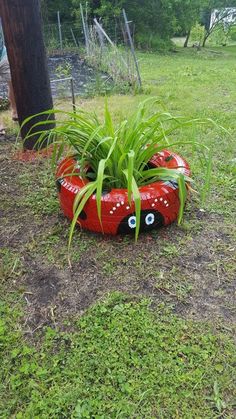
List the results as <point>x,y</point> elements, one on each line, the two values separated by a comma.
<point>10,264</point>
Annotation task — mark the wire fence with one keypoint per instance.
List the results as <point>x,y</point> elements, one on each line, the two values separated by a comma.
<point>107,46</point>
<point>97,57</point>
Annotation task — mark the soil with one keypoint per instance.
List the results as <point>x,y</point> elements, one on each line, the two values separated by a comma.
<point>60,66</point>
<point>191,269</point>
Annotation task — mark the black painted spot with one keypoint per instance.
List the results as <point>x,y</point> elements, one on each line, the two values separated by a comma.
<point>106,191</point>
<point>124,227</point>
<point>58,185</point>
<point>83,215</point>
<point>169,158</point>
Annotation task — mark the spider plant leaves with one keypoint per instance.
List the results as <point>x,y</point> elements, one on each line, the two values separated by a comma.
<point>167,174</point>
<point>130,172</point>
<point>118,155</point>
<point>134,190</point>
<point>182,196</point>
<point>85,193</point>
<point>99,181</point>
<point>108,121</point>
<point>161,173</point>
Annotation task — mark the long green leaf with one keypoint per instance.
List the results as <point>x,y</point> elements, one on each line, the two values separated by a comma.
<point>90,188</point>
<point>182,196</point>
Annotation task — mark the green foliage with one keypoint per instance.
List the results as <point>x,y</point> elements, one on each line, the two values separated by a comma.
<point>187,14</point>
<point>219,36</point>
<point>232,33</point>
<point>150,42</point>
<point>118,156</point>
<point>63,71</point>
<point>208,6</point>
<point>50,8</point>
<point>121,360</point>
<point>197,33</point>
<point>114,61</point>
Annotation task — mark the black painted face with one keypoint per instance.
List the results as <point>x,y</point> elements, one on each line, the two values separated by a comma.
<point>149,220</point>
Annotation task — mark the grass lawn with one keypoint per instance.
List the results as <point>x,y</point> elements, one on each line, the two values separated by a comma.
<point>129,330</point>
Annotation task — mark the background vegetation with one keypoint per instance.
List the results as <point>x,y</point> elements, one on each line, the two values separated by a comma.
<point>154,22</point>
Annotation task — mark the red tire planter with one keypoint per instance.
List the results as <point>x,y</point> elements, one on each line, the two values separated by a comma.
<point>159,200</point>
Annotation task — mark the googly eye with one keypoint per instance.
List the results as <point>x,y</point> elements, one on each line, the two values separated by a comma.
<point>149,219</point>
<point>132,221</point>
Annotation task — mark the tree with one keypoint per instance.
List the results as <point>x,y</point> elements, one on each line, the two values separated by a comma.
<point>187,14</point>
<point>50,8</point>
<point>224,11</point>
<point>107,9</point>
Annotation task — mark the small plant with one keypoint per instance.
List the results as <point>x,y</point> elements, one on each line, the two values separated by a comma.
<point>118,156</point>
<point>63,71</point>
<point>4,104</point>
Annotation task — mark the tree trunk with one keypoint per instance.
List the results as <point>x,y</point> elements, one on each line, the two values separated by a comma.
<point>187,39</point>
<point>204,42</point>
<point>205,38</point>
<point>21,20</point>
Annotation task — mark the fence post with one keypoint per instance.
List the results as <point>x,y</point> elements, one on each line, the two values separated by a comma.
<point>84,29</point>
<point>103,32</point>
<point>132,47</point>
<point>59,29</point>
<point>74,38</point>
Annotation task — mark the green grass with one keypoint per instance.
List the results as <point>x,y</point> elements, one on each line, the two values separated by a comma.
<point>121,361</point>
<point>126,357</point>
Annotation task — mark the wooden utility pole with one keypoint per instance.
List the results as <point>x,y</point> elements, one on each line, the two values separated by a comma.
<point>21,21</point>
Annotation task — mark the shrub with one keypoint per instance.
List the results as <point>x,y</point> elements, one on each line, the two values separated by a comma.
<point>219,36</point>
<point>197,34</point>
<point>232,33</point>
<point>152,42</point>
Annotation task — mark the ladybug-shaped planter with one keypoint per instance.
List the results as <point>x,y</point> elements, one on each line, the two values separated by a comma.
<point>159,200</point>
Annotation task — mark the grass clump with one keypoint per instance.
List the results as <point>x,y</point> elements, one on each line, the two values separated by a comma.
<point>122,360</point>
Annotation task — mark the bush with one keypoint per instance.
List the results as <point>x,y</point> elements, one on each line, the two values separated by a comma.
<point>197,34</point>
<point>219,36</point>
<point>151,42</point>
<point>232,33</point>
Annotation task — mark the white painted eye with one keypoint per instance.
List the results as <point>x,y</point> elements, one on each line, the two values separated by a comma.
<point>149,219</point>
<point>132,221</point>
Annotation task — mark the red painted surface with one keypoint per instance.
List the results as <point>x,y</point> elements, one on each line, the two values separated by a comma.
<point>159,200</point>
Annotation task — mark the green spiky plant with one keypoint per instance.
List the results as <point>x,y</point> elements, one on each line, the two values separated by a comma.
<point>118,156</point>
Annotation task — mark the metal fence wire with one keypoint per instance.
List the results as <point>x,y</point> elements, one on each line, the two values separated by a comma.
<point>108,46</point>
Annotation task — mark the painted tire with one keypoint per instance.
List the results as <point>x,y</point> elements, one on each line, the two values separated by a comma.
<point>159,200</point>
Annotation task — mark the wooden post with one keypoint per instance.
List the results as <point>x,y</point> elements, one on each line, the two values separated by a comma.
<point>21,20</point>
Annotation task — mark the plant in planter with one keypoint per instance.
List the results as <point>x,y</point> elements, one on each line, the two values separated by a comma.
<point>118,179</point>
